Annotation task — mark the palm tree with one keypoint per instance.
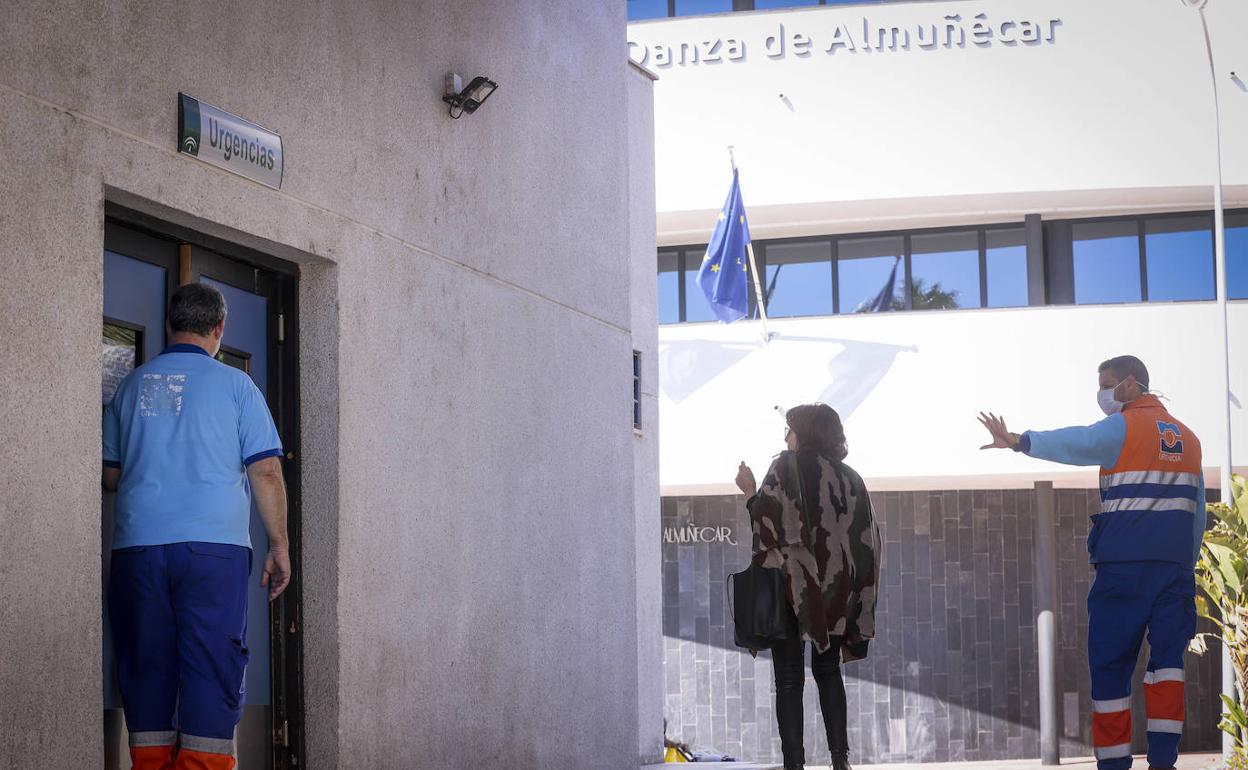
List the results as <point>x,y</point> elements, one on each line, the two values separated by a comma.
<point>922,297</point>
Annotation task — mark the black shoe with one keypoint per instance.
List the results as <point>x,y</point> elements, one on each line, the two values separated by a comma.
<point>841,763</point>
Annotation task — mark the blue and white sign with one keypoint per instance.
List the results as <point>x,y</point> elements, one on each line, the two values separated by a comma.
<point>226,141</point>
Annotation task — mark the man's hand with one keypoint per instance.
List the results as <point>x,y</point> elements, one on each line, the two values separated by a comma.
<point>276,575</point>
<point>1001,436</point>
<point>745,480</point>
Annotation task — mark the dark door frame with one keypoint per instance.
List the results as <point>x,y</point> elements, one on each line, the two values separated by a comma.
<point>146,238</point>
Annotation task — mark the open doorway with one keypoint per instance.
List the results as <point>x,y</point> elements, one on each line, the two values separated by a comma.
<point>144,262</point>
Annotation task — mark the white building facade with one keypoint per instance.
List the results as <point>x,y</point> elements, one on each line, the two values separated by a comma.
<point>1040,174</point>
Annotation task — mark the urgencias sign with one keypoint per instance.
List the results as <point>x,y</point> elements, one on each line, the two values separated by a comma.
<point>227,141</point>
<point>845,38</point>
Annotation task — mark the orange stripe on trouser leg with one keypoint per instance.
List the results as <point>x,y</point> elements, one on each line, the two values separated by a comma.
<point>1111,729</point>
<point>1164,700</point>
<point>203,760</point>
<point>151,757</point>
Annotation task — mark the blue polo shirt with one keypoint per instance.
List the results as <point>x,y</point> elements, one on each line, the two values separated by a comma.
<point>183,428</point>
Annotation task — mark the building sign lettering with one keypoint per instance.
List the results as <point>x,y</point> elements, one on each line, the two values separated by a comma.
<point>953,31</point>
<point>692,534</point>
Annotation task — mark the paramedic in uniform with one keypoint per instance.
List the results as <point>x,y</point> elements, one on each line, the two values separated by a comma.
<point>1143,544</point>
<point>188,444</point>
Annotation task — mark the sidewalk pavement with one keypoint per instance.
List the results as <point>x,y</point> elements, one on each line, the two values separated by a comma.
<point>1186,762</point>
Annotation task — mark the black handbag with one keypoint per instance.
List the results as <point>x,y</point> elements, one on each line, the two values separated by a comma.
<point>761,614</point>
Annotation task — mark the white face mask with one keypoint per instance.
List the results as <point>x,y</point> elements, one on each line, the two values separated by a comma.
<point>1109,405</point>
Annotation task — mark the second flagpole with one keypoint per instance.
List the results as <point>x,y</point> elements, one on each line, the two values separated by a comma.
<point>758,289</point>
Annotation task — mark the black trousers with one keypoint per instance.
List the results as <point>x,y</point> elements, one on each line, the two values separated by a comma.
<point>788,662</point>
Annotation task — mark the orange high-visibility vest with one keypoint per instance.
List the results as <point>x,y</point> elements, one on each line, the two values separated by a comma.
<point>1151,495</point>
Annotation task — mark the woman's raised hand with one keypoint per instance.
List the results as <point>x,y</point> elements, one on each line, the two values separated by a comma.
<point>745,480</point>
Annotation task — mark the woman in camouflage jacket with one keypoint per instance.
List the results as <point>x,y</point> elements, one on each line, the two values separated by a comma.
<point>819,529</point>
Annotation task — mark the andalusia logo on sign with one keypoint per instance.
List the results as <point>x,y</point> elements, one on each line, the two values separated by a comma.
<point>229,142</point>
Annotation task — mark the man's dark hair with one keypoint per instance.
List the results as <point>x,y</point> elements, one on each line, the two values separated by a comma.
<point>196,308</point>
<point>1126,366</point>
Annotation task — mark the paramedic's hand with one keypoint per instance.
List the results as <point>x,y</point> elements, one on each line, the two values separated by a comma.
<point>276,575</point>
<point>745,480</point>
<point>1001,436</point>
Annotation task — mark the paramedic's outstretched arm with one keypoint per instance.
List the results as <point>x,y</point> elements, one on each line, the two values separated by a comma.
<point>1096,444</point>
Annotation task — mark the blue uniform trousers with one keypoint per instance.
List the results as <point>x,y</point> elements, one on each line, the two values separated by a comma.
<point>1127,599</point>
<point>179,621</point>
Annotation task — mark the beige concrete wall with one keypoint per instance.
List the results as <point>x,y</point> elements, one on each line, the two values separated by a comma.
<point>468,452</point>
<point>645,325</point>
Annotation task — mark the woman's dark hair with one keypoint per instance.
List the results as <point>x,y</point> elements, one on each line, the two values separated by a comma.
<point>818,427</point>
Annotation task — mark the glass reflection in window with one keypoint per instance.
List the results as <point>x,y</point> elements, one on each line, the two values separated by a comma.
<point>763,4</point>
<point>863,267</point>
<point>120,356</point>
<point>1178,253</point>
<point>1107,262</point>
<point>944,270</point>
<point>646,9</point>
<point>235,358</point>
<point>1006,258</point>
<point>799,278</point>
<point>669,287</point>
<point>1237,256</point>
<point>696,306</point>
<point>698,7</point>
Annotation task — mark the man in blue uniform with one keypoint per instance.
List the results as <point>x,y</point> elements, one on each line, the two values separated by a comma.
<point>1143,545</point>
<point>188,444</point>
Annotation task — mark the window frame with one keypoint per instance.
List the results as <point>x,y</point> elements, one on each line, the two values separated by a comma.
<point>1140,221</point>
<point>1054,255</point>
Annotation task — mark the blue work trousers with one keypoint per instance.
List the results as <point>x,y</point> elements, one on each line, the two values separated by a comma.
<point>179,621</point>
<point>1128,599</point>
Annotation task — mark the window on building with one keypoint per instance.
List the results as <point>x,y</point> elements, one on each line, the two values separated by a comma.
<point>636,390</point>
<point>1178,258</point>
<point>863,267</point>
<point>696,306</point>
<point>646,9</point>
<point>799,277</point>
<point>1237,256</point>
<point>1106,262</point>
<point>699,7</point>
<point>1005,260</point>
<point>669,286</point>
<point>765,4</point>
<point>944,270</point>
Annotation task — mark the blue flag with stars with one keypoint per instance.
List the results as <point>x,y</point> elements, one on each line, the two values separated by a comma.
<point>724,273</point>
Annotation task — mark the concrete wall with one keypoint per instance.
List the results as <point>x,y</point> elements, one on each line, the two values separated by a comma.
<point>645,324</point>
<point>469,533</point>
<point>1114,111</point>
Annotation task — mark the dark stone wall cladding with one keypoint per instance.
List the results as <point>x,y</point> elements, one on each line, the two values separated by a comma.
<point>952,672</point>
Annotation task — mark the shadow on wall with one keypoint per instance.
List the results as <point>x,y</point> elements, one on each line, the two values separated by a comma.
<point>953,669</point>
<point>854,368</point>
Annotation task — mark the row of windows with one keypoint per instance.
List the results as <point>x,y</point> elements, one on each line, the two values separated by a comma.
<point>659,9</point>
<point>1127,259</point>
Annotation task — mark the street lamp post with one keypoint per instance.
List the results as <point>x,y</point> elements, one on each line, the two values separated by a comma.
<point>1219,248</point>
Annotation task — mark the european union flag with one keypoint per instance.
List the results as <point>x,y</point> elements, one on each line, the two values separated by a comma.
<point>884,300</point>
<point>724,273</point>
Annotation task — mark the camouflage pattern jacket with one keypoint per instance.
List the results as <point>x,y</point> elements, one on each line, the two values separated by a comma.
<point>830,551</point>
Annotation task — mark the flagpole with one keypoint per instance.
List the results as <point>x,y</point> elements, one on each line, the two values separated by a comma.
<point>758,290</point>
